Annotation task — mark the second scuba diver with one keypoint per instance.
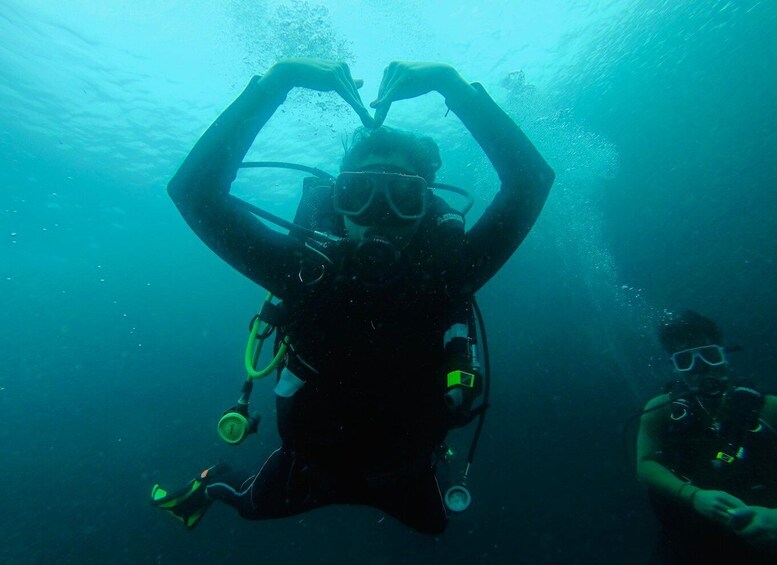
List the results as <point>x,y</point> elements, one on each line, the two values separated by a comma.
<point>371,328</point>
<point>707,451</point>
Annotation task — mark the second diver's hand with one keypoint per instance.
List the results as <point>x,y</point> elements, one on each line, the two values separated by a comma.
<point>403,80</point>
<point>320,75</point>
<point>715,505</point>
<point>758,525</point>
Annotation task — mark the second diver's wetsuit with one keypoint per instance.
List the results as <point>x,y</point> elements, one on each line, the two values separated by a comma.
<point>370,411</point>
<point>691,439</point>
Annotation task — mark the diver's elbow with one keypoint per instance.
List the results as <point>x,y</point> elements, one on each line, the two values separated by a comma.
<point>179,191</point>
<point>174,187</point>
<point>646,471</point>
<point>546,178</point>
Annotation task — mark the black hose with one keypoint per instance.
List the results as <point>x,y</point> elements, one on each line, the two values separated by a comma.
<point>270,217</point>
<point>487,384</point>
<point>282,165</point>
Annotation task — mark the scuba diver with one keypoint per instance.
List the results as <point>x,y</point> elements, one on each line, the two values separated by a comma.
<point>707,451</point>
<point>376,279</point>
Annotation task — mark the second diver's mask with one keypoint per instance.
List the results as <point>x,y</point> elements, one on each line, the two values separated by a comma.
<point>381,212</point>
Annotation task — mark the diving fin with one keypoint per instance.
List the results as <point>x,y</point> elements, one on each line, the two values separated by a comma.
<point>189,503</point>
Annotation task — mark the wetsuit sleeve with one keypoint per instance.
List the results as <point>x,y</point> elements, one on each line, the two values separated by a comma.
<point>525,183</point>
<point>200,190</point>
<point>649,445</point>
<point>769,414</point>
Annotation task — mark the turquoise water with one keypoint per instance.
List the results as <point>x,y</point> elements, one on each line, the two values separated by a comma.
<point>122,333</point>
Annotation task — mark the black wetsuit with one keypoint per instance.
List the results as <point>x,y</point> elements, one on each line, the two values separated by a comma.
<point>691,442</point>
<point>363,427</point>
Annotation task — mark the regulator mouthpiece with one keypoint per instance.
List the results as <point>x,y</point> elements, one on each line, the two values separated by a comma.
<point>376,258</point>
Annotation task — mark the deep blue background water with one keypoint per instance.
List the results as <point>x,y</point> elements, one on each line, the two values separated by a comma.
<point>122,334</point>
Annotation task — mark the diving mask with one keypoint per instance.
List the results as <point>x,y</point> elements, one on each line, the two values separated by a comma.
<point>367,196</point>
<point>712,355</point>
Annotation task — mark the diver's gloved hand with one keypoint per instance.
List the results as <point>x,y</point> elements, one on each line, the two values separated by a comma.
<point>324,76</point>
<point>716,504</point>
<point>761,528</point>
<point>403,80</point>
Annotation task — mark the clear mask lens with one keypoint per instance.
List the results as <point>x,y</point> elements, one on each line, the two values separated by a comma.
<point>712,355</point>
<point>406,195</point>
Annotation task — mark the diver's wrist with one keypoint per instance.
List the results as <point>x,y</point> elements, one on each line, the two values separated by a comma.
<point>454,88</point>
<point>277,79</point>
<point>692,497</point>
<point>686,493</point>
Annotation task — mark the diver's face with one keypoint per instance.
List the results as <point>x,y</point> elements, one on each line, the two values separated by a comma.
<point>380,221</point>
<point>704,364</point>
